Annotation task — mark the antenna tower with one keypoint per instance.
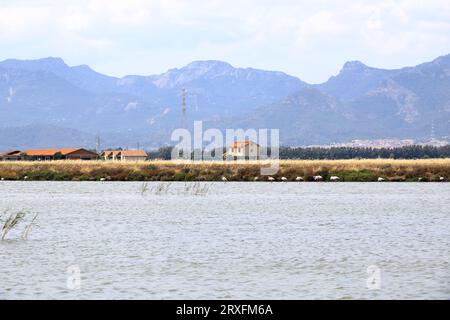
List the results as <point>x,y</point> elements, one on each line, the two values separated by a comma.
<point>97,143</point>
<point>183,109</point>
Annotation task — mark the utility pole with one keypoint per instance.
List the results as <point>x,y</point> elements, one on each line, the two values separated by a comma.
<point>433,133</point>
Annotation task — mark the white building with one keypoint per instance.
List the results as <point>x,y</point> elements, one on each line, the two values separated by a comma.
<point>247,150</point>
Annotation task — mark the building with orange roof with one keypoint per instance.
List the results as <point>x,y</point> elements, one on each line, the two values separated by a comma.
<point>13,155</point>
<point>246,149</point>
<point>124,155</point>
<point>59,154</point>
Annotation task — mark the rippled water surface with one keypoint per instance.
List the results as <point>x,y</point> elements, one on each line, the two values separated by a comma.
<point>239,241</point>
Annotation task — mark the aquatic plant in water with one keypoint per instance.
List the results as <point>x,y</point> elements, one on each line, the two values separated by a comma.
<point>144,188</point>
<point>28,227</point>
<point>13,221</point>
<point>196,188</point>
<point>163,188</point>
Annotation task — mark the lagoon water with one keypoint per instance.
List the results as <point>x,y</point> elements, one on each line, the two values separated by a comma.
<point>237,241</point>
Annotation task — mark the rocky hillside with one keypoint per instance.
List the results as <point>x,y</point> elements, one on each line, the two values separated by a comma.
<point>360,102</point>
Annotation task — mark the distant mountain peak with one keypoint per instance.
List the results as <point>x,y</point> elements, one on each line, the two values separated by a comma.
<point>52,60</point>
<point>82,67</point>
<point>442,60</point>
<point>204,67</point>
<point>192,71</point>
<point>354,80</point>
<point>354,66</point>
<point>197,73</point>
<point>49,63</point>
<point>209,64</point>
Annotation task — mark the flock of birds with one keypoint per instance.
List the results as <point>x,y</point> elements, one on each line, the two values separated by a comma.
<point>299,179</point>
<point>284,179</point>
<point>320,178</point>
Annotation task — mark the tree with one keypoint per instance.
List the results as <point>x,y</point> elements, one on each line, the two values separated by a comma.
<point>58,156</point>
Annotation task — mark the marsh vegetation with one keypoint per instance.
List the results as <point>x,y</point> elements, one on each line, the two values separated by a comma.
<point>346,170</point>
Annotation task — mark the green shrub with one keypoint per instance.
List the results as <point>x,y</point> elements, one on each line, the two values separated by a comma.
<point>136,176</point>
<point>356,175</point>
<point>47,175</point>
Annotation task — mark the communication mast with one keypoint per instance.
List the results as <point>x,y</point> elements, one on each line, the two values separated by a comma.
<point>183,109</point>
<point>97,143</point>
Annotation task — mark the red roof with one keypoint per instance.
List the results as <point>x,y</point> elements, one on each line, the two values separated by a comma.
<point>51,152</point>
<point>237,144</point>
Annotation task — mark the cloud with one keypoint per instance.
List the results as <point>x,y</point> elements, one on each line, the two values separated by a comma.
<point>310,39</point>
<point>18,21</point>
<point>323,23</point>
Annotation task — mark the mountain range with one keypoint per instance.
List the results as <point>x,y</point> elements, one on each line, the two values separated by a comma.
<point>46,103</point>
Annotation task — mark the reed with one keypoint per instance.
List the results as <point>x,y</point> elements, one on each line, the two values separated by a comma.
<point>13,220</point>
<point>196,188</point>
<point>347,170</point>
<point>163,188</point>
<point>144,188</point>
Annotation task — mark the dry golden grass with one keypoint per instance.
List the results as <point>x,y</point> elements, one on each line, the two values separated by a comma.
<point>348,170</point>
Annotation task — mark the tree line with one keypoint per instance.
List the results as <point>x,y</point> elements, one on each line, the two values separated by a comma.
<point>406,152</point>
<point>335,153</point>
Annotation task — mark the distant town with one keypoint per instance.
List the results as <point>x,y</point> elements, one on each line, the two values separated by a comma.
<point>387,143</point>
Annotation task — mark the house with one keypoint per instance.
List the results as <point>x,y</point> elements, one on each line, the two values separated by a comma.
<point>124,155</point>
<point>14,155</point>
<point>246,149</point>
<point>57,154</point>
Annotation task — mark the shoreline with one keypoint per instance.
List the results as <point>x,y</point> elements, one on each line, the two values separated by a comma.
<point>370,170</point>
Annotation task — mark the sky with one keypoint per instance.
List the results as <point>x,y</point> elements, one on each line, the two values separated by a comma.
<point>307,39</point>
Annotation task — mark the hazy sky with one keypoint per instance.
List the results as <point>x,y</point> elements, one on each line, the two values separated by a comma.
<point>308,39</point>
